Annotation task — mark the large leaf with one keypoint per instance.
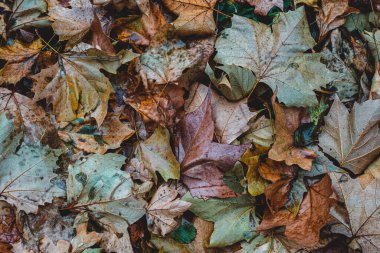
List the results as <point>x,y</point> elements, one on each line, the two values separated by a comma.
<point>204,162</point>
<point>363,207</point>
<point>352,138</point>
<point>27,177</point>
<point>234,218</point>
<point>97,183</point>
<point>275,55</point>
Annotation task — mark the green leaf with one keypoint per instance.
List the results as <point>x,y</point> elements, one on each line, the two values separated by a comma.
<point>168,245</point>
<point>275,55</point>
<point>97,183</point>
<point>264,244</point>
<point>234,178</point>
<point>235,84</point>
<point>234,218</point>
<point>157,154</point>
<point>185,233</point>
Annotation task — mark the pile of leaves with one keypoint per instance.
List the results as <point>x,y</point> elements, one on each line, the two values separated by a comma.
<point>189,126</point>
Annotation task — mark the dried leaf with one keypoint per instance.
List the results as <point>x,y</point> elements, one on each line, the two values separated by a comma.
<point>288,119</point>
<point>352,138</point>
<point>204,161</point>
<point>163,208</point>
<point>262,7</point>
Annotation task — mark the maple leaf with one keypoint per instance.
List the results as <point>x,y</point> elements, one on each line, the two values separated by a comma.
<point>27,177</point>
<point>157,155</point>
<point>288,119</point>
<point>108,191</point>
<point>20,59</point>
<point>363,207</point>
<point>231,119</point>
<point>262,7</point>
<point>352,138</point>
<point>276,58</point>
<point>234,218</point>
<point>163,208</point>
<point>314,214</point>
<point>72,23</point>
<point>204,161</point>
<point>194,16</point>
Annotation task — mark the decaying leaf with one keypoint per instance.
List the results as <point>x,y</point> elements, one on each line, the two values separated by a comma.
<point>97,184</point>
<point>20,59</point>
<point>231,119</point>
<point>363,207</point>
<point>304,228</point>
<point>157,155</point>
<point>276,57</point>
<point>332,15</point>
<point>83,239</point>
<point>204,161</point>
<point>72,23</point>
<point>262,7</point>
<point>194,16</point>
<point>110,135</point>
<point>352,137</point>
<point>288,119</point>
<point>163,208</point>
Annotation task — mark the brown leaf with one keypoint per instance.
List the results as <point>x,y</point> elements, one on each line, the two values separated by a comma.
<point>333,15</point>
<point>33,120</point>
<point>313,215</point>
<point>262,7</point>
<point>9,232</point>
<point>20,59</point>
<point>83,238</point>
<point>163,208</point>
<point>352,138</point>
<point>154,107</point>
<point>205,161</point>
<point>277,194</point>
<point>274,171</point>
<point>110,135</point>
<point>99,39</point>
<point>288,119</point>
<point>195,17</point>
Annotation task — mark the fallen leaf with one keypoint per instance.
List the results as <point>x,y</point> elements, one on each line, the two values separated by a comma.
<point>156,107</point>
<point>352,138</point>
<point>267,244</point>
<point>9,232</point>
<point>20,59</point>
<point>20,170</point>
<point>163,208</point>
<point>157,155</point>
<point>233,218</point>
<point>33,120</point>
<point>110,135</point>
<point>314,214</point>
<point>46,245</point>
<point>185,233</point>
<point>288,119</point>
<point>363,206</point>
<point>100,39</point>
<point>277,194</point>
<point>373,43</point>
<point>73,23</point>
<point>204,161</point>
<point>194,16</point>
<point>262,7</point>
<point>231,119</point>
<point>83,239</point>
<point>108,191</point>
<point>260,133</point>
<point>333,15</point>
<point>276,58</point>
